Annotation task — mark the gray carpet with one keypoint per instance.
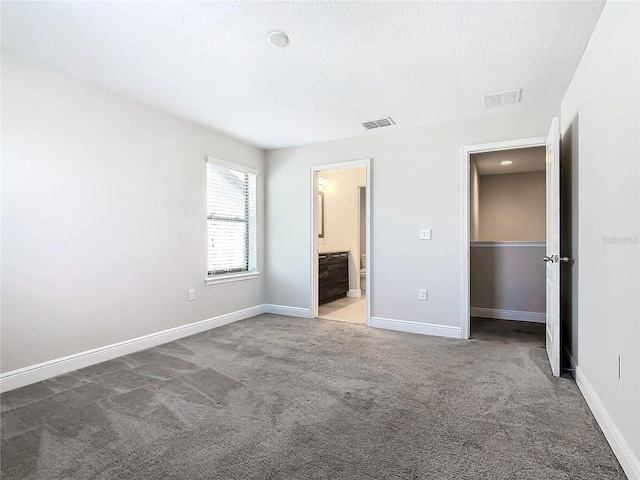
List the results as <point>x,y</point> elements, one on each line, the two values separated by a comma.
<point>286,398</point>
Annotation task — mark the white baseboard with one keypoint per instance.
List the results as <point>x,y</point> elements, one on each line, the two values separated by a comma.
<point>286,310</point>
<point>353,293</point>
<point>509,314</point>
<point>621,448</point>
<point>52,368</point>
<point>416,327</point>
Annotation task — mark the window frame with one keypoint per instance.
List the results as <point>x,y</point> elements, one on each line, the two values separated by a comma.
<point>251,247</point>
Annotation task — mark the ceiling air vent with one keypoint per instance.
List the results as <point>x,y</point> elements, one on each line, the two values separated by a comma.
<point>502,98</point>
<point>383,122</point>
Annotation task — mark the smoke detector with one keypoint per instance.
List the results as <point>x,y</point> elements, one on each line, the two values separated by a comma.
<point>383,122</point>
<point>502,98</point>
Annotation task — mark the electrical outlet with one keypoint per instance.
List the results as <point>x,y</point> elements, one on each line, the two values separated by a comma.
<point>422,294</point>
<point>616,362</point>
<point>425,234</point>
<point>192,294</point>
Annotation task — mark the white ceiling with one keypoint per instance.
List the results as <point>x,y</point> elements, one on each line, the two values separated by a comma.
<point>347,62</point>
<point>524,160</point>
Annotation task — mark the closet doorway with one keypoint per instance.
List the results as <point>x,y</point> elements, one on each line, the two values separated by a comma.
<point>507,200</point>
<point>554,250</point>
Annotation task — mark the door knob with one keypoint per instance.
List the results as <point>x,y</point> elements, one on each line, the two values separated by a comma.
<point>547,259</point>
<point>565,259</point>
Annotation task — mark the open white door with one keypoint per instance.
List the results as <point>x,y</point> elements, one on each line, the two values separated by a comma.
<point>552,257</point>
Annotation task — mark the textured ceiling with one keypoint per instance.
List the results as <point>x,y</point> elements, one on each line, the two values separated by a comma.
<point>347,62</point>
<point>524,160</point>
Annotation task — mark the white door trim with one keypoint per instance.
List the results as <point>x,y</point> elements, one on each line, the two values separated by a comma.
<point>465,154</point>
<point>313,301</point>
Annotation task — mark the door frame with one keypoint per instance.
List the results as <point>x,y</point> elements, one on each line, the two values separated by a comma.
<point>316,169</point>
<point>360,233</point>
<point>466,152</point>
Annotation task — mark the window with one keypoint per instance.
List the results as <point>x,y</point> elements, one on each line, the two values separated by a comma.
<point>231,221</point>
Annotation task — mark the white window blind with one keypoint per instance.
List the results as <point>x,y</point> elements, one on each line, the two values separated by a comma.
<point>231,218</point>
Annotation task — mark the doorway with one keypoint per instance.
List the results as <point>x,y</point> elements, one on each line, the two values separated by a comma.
<point>507,195</point>
<point>553,258</point>
<point>340,241</point>
<point>470,229</point>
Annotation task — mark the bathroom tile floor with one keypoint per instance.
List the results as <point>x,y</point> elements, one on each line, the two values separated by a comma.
<point>345,309</point>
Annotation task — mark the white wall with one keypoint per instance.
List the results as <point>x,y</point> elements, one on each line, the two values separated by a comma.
<point>103,218</point>
<point>600,124</point>
<point>512,207</point>
<point>341,216</point>
<point>415,183</point>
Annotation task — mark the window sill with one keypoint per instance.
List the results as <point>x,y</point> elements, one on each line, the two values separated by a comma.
<point>231,278</point>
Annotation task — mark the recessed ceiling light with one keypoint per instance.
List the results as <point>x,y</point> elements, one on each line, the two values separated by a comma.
<point>505,163</point>
<point>277,38</point>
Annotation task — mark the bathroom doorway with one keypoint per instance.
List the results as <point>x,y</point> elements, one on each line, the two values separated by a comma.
<point>340,242</point>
